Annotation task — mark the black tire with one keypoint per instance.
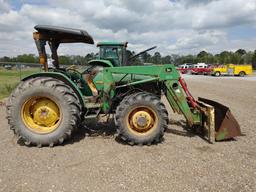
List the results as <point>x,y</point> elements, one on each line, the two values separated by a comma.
<point>46,87</point>
<point>217,74</point>
<point>136,101</point>
<point>241,73</point>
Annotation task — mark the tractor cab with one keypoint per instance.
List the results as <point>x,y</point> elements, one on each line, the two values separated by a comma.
<point>115,52</point>
<point>111,54</point>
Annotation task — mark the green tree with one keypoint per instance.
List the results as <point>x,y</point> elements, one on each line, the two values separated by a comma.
<point>241,52</point>
<point>188,59</point>
<point>202,54</point>
<point>254,59</point>
<point>65,60</point>
<point>224,57</point>
<point>176,59</point>
<point>248,57</point>
<point>5,58</point>
<point>235,58</point>
<point>146,57</point>
<point>157,59</point>
<point>167,59</point>
<point>211,59</point>
<point>202,57</point>
<point>26,58</point>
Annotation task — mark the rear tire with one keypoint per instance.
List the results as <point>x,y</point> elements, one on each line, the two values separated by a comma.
<point>36,102</point>
<point>241,73</point>
<point>217,74</point>
<point>141,119</point>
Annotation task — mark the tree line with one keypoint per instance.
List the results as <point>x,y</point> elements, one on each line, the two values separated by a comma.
<point>226,57</point>
<point>240,56</point>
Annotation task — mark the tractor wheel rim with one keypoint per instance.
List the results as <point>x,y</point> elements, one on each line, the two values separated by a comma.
<point>41,115</point>
<point>142,119</point>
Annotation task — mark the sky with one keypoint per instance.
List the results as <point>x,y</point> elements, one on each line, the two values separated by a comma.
<point>174,26</point>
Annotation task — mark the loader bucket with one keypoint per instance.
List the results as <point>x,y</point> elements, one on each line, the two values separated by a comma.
<point>220,122</point>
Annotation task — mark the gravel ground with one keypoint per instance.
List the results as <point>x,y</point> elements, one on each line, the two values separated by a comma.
<point>182,162</point>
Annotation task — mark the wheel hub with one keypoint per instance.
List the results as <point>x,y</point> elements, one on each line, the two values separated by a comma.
<point>45,112</point>
<point>41,115</point>
<point>141,120</point>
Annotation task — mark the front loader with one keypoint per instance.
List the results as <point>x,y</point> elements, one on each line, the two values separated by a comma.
<point>47,107</point>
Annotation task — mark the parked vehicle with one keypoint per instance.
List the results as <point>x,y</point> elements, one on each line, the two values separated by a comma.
<point>231,69</point>
<point>185,68</point>
<point>201,69</point>
<point>8,67</point>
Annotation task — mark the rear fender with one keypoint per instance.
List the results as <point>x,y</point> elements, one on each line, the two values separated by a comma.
<point>100,62</point>
<point>63,78</point>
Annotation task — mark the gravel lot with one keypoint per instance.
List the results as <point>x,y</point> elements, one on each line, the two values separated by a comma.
<point>182,162</point>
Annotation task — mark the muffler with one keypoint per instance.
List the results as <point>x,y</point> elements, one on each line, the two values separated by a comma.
<point>218,121</point>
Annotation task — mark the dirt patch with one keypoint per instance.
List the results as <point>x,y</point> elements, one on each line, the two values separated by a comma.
<point>182,162</point>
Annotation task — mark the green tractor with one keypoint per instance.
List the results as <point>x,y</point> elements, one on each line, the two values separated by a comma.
<point>47,107</point>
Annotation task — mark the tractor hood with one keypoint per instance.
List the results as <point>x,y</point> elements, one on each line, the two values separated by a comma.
<point>64,35</point>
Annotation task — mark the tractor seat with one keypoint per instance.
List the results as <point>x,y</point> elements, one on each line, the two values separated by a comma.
<point>89,80</point>
<point>88,77</point>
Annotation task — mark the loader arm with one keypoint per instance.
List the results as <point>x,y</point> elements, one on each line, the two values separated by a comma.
<point>162,73</point>
<point>214,120</point>
<point>179,102</point>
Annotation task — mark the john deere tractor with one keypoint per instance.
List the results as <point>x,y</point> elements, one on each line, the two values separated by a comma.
<point>46,107</point>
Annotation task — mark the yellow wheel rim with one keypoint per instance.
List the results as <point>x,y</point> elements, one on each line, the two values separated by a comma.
<point>142,120</point>
<point>41,115</point>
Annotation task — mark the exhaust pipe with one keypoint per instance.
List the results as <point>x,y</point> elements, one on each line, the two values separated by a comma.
<point>218,121</point>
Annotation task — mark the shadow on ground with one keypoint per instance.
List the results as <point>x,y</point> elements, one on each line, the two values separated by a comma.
<point>186,132</point>
<point>107,130</point>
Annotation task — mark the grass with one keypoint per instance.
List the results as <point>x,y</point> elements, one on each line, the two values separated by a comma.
<point>9,79</point>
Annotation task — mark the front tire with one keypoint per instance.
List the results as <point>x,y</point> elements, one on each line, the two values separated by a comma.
<point>43,111</point>
<point>241,73</point>
<point>217,74</point>
<point>141,119</point>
